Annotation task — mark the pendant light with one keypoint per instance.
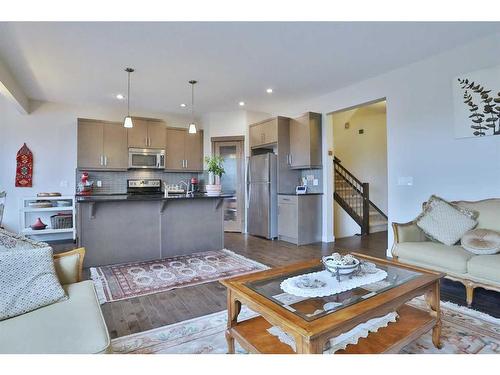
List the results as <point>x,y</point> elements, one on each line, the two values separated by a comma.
<point>127,123</point>
<point>192,125</point>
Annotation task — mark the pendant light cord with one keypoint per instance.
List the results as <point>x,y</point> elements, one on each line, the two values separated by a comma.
<point>128,96</point>
<point>192,102</point>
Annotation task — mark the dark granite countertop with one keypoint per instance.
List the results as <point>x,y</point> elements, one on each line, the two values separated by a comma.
<point>135,197</point>
<point>293,193</point>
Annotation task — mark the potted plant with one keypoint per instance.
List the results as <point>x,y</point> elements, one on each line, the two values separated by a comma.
<point>215,167</point>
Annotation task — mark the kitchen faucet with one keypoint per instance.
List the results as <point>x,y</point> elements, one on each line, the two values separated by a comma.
<point>185,183</point>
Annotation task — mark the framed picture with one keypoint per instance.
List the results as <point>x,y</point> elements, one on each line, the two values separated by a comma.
<point>476,99</point>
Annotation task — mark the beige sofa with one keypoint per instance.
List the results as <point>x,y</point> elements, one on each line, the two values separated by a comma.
<point>413,247</point>
<point>75,325</point>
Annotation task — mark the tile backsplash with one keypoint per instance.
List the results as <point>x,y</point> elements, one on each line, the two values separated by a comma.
<point>317,175</point>
<point>116,182</point>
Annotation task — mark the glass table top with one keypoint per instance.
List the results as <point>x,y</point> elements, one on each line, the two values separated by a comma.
<point>311,308</point>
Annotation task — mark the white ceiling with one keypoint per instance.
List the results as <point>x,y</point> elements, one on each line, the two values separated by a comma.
<point>83,62</point>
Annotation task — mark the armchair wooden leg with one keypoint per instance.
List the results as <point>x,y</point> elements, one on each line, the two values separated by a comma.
<point>469,290</point>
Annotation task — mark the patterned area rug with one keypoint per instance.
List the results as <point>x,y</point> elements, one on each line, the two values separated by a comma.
<point>122,281</point>
<point>464,331</point>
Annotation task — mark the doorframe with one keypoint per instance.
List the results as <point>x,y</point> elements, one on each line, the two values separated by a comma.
<point>331,153</point>
<point>242,195</point>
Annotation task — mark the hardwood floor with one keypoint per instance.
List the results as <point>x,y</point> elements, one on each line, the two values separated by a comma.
<point>156,310</point>
<point>144,313</point>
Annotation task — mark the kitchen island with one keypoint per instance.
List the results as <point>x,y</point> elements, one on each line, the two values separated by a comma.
<point>123,228</point>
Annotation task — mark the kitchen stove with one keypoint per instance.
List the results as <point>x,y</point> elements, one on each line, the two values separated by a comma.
<point>144,187</point>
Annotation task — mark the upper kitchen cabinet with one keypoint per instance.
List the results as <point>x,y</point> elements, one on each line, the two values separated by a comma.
<point>194,151</point>
<point>101,145</point>
<point>147,133</point>
<point>184,150</point>
<point>305,141</point>
<point>264,133</point>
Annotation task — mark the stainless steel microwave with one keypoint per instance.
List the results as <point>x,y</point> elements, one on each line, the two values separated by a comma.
<point>150,158</point>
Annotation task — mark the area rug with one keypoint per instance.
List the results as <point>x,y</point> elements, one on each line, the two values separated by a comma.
<point>464,331</point>
<point>122,281</point>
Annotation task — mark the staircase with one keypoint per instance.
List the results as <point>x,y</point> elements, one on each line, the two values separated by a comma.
<point>354,197</point>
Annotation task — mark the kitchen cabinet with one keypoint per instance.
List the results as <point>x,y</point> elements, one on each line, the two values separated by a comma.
<point>194,151</point>
<point>264,133</point>
<point>101,145</point>
<point>299,218</point>
<point>147,133</point>
<point>305,141</point>
<point>288,178</point>
<point>115,148</point>
<point>184,150</point>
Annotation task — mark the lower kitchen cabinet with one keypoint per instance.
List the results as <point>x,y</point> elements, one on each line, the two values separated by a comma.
<point>300,218</point>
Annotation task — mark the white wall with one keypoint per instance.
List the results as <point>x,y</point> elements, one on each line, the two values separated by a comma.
<point>364,155</point>
<point>233,123</point>
<point>222,124</point>
<point>50,133</point>
<point>420,132</point>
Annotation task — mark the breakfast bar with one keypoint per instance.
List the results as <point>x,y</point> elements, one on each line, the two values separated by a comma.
<point>122,228</point>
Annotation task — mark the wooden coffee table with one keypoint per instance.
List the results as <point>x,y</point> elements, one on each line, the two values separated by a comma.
<point>313,321</point>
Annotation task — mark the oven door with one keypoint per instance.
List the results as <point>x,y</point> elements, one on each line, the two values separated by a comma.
<point>147,159</point>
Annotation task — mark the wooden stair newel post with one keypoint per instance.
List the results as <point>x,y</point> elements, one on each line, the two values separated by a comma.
<point>366,209</point>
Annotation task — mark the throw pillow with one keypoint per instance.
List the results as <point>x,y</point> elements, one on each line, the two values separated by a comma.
<point>12,241</point>
<point>443,222</point>
<point>28,281</point>
<point>481,241</point>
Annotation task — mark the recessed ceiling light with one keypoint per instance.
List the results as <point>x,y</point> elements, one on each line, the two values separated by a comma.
<point>183,105</point>
<point>120,96</point>
<point>241,104</point>
<point>269,91</point>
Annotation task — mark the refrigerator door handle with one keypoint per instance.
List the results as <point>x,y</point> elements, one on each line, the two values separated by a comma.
<point>249,194</point>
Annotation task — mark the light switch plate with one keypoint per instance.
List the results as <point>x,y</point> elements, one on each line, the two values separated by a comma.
<point>99,183</point>
<point>405,181</point>
<point>310,177</point>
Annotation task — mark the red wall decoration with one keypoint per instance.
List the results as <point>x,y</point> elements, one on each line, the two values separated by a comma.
<point>24,169</point>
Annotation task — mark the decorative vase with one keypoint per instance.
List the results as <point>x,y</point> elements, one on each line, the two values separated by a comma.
<point>213,189</point>
<point>211,178</point>
<point>38,225</point>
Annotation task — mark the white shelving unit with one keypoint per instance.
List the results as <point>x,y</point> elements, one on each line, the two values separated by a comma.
<point>27,215</point>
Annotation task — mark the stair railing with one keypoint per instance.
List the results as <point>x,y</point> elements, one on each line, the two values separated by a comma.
<point>353,196</point>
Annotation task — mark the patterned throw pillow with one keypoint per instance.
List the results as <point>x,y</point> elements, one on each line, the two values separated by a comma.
<point>28,281</point>
<point>443,222</point>
<point>12,241</point>
<point>481,241</point>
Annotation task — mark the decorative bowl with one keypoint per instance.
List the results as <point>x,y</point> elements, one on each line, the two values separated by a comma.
<point>309,283</point>
<point>63,203</point>
<point>334,265</point>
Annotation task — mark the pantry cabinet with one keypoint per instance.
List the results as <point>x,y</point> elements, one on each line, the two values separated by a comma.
<point>184,150</point>
<point>102,145</point>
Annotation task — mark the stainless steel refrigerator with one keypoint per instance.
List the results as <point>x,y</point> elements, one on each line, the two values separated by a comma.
<point>262,196</point>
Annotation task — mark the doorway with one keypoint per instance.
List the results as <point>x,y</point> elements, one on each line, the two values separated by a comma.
<point>233,180</point>
<point>360,169</point>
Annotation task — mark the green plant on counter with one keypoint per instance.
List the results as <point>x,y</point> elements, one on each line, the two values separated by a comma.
<point>215,165</point>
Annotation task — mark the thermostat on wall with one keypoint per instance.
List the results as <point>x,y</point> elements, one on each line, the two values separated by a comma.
<point>301,190</point>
